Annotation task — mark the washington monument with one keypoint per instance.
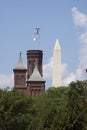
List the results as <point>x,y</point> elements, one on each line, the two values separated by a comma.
<point>56,65</point>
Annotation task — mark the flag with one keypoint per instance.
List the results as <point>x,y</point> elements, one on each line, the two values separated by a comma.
<point>37,35</point>
<point>37,31</point>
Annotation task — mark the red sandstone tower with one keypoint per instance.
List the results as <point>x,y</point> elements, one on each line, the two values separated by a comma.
<point>35,81</point>
<point>20,75</point>
<point>32,56</point>
<point>34,84</point>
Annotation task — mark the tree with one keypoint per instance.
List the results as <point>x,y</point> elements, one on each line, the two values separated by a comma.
<point>49,110</point>
<point>14,109</point>
<point>75,114</point>
<point>63,108</point>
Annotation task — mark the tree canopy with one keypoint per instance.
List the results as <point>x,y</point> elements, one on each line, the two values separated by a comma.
<point>63,108</point>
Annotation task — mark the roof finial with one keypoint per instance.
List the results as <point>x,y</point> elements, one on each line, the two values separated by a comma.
<point>20,53</point>
<point>20,58</point>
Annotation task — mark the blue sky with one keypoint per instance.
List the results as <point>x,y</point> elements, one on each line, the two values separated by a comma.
<point>62,19</point>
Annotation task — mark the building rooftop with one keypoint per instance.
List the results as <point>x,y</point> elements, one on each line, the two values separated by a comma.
<point>36,75</point>
<point>20,65</point>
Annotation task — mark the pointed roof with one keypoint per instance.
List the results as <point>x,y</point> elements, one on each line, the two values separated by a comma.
<point>57,45</point>
<point>36,75</point>
<point>20,65</point>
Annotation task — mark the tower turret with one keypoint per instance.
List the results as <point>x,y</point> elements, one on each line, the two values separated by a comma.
<point>32,56</point>
<point>20,75</point>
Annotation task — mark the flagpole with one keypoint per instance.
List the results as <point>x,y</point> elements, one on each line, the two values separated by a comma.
<point>37,36</point>
<point>39,40</point>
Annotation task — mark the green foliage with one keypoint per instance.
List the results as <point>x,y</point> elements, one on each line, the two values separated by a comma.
<point>63,108</point>
<point>14,110</point>
<point>75,111</point>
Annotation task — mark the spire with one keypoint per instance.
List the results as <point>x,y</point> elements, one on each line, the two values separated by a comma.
<point>36,75</point>
<point>20,65</point>
<point>57,45</point>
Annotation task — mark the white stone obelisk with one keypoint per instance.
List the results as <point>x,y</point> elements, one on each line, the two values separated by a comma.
<point>57,65</point>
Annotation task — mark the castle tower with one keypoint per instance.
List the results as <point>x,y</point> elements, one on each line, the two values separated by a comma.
<point>57,65</point>
<point>36,83</point>
<point>32,56</point>
<point>20,75</point>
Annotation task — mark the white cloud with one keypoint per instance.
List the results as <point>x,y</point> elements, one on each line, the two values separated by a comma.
<point>80,19</point>
<point>68,79</point>
<point>83,50</point>
<point>47,69</point>
<point>6,81</point>
<point>64,70</point>
<point>83,38</point>
<point>79,74</point>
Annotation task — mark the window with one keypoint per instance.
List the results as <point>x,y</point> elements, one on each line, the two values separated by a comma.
<point>20,81</point>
